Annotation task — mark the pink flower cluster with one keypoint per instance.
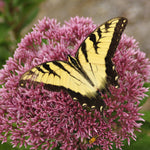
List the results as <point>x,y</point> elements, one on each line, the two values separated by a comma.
<point>46,119</point>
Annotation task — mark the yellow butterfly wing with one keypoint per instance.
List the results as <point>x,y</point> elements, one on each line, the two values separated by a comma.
<point>96,52</point>
<point>57,75</point>
<point>60,75</point>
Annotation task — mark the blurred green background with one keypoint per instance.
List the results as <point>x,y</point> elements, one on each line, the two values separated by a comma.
<point>18,16</point>
<point>15,15</point>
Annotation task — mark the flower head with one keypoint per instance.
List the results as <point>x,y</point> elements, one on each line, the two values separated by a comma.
<point>46,119</point>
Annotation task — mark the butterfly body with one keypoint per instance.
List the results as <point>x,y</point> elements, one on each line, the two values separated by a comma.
<point>87,74</point>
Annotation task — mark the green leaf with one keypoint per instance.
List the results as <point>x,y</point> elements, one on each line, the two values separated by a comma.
<point>45,41</point>
<point>4,54</point>
<point>148,86</point>
<point>146,115</point>
<point>143,139</point>
<point>4,29</point>
<point>7,146</point>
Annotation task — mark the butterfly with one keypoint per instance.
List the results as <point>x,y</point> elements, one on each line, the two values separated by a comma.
<point>87,75</point>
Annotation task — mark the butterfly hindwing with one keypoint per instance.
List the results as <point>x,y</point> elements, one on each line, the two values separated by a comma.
<point>60,75</point>
<point>89,72</point>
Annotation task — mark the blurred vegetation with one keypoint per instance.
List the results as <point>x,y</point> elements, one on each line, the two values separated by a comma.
<point>14,16</point>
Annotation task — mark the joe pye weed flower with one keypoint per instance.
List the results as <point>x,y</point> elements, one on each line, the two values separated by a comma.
<point>47,119</point>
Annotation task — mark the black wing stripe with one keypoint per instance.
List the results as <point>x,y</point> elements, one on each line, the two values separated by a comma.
<point>107,24</point>
<point>95,43</point>
<point>63,68</point>
<point>92,37</point>
<point>120,26</point>
<point>96,101</point>
<point>83,49</point>
<point>92,69</point>
<point>47,67</point>
<point>99,33</point>
<point>39,69</point>
<point>56,63</point>
<point>77,66</point>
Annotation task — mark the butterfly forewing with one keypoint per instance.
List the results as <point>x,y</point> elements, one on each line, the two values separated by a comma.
<point>96,52</point>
